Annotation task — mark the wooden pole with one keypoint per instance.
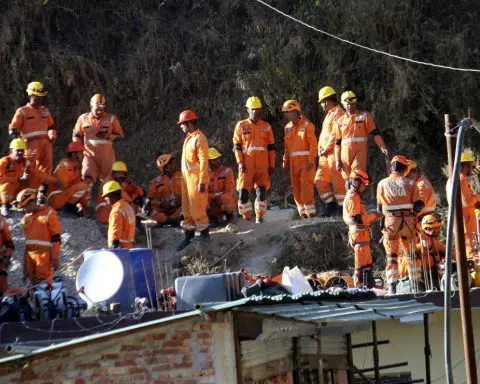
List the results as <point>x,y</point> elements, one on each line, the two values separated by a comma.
<point>349,358</point>
<point>427,351</point>
<point>376,361</point>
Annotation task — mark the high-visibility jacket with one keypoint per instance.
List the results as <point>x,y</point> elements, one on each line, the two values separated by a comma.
<point>121,225</point>
<point>326,140</point>
<point>42,231</point>
<point>221,182</point>
<point>300,142</point>
<point>397,193</point>
<point>427,194</point>
<point>164,187</point>
<point>32,123</point>
<point>352,206</point>
<point>354,128</point>
<point>88,126</point>
<point>254,141</point>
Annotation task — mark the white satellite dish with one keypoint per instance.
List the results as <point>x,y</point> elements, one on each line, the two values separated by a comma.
<point>99,277</point>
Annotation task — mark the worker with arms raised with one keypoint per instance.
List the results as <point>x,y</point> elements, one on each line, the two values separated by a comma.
<point>195,179</point>
<point>42,238</point>
<point>34,123</point>
<point>358,221</point>
<point>74,190</point>
<point>399,200</point>
<point>351,136</point>
<point>99,130</point>
<point>121,222</point>
<point>300,153</point>
<point>164,199</point>
<point>131,192</point>
<point>221,187</point>
<point>328,180</point>
<point>17,172</point>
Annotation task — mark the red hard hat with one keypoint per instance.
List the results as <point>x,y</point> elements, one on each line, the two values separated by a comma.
<point>187,115</point>
<point>75,146</point>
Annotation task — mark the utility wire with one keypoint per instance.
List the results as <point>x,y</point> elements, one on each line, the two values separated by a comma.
<point>364,46</point>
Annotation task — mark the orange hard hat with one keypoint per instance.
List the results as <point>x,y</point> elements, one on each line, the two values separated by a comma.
<point>187,115</point>
<point>400,159</point>
<point>26,196</point>
<point>291,105</point>
<point>75,146</point>
<point>362,175</point>
<point>163,160</point>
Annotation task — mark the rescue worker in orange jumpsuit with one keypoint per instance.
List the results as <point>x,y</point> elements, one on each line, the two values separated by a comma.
<point>42,238</point>
<point>99,130</point>
<point>74,192</point>
<point>220,189</point>
<point>121,222</point>
<point>34,123</point>
<point>470,202</point>
<point>358,220</point>
<point>164,198</point>
<point>300,153</point>
<point>351,136</point>
<point>328,180</point>
<point>17,172</point>
<point>131,193</point>
<point>254,146</point>
<point>6,252</point>
<point>399,201</point>
<point>425,188</point>
<point>195,179</point>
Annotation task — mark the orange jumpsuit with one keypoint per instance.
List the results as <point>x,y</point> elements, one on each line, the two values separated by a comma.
<point>11,170</point>
<point>163,191</point>
<point>328,180</point>
<point>33,124</point>
<point>300,150</point>
<point>74,189</point>
<point>6,250</point>
<point>130,192</point>
<point>359,234</point>
<point>98,154</point>
<point>396,194</point>
<point>121,225</point>
<point>351,138</point>
<point>254,146</point>
<point>469,200</point>
<point>42,244</point>
<point>220,192</point>
<point>194,173</point>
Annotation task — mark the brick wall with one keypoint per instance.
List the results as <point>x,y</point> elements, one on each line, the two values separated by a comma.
<point>193,351</point>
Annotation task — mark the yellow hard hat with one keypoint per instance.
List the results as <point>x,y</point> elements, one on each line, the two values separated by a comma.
<point>99,100</point>
<point>411,165</point>
<point>431,221</point>
<point>18,144</point>
<point>467,156</point>
<point>253,102</point>
<point>25,196</point>
<point>36,88</point>
<point>110,187</point>
<point>291,105</point>
<point>325,92</point>
<point>213,154</point>
<point>119,166</point>
<point>349,97</point>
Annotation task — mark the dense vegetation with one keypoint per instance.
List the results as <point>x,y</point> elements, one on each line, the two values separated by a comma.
<point>155,58</point>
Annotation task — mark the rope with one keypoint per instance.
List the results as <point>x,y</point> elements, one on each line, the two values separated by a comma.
<point>364,46</point>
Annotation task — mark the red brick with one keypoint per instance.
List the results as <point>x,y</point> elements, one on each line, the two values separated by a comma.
<point>161,368</point>
<point>91,364</point>
<point>151,360</point>
<point>207,341</point>
<point>131,347</point>
<point>182,365</point>
<point>110,356</point>
<point>134,370</point>
<point>187,359</point>
<point>176,343</point>
<point>124,363</point>
<point>175,351</point>
<point>181,335</point>
<point>129,355</point>
<point>99,372</point>
<point>201,326</point>
<point>204,335</point>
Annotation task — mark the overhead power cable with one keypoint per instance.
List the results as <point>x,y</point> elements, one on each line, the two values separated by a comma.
<point>364,46</point>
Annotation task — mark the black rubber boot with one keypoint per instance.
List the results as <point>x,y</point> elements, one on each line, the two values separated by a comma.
<point>368,280</point>
<point>331,210</point>
<point>392,289</point>
<point>339,209</point>
<point>189,235</point>
<point>205,234</point>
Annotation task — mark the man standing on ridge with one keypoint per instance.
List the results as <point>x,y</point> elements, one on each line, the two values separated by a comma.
<point>328,180</point>
<point>99,130</point>
<point>300,153</point>
<point>34,123</point>
<point>254,147</point>
<point>351,136</point>
<point>195,179</point>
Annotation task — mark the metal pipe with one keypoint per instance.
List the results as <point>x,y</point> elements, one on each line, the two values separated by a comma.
<point>455,213</point>
<point>427,351</point>
<point>382,367</point>
<point>379,342</point>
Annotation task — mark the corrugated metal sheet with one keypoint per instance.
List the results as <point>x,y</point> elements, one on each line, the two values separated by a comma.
<point>257,352</point>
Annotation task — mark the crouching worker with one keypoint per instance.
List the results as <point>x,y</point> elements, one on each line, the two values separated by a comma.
<point>42,238</point>
<point>220,189</point>
<point>164,198</point>
<point>74,194</point>
<point>358,221</point>
<point>121,222</point>
<point>6,251</point>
